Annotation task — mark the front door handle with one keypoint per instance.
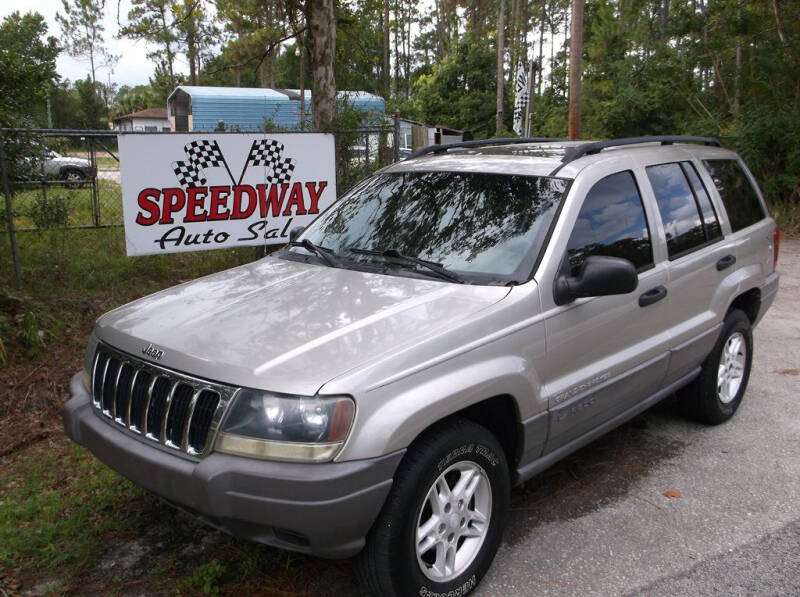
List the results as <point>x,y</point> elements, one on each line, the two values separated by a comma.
<point>726,262</point>
<point>652,296</point>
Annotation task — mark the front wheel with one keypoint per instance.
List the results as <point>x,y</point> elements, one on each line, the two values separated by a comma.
<point>443,520</point>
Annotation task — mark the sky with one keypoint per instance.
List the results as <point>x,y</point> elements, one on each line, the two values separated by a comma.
<point>133,67</point>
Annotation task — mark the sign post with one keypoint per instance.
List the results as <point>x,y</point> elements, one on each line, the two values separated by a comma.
<point>200,191</point>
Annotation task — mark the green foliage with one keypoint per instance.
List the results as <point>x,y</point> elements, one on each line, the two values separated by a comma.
<point>132,99</point>
<point>28,66</point>
<point>50,516</point>
<point>27,70</point>
<point>207,578</point>
<point>50,212</point>
<point>460,92</point>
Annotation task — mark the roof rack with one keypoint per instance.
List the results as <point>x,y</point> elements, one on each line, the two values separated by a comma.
<point>480,143</point>
<point>573,153</point>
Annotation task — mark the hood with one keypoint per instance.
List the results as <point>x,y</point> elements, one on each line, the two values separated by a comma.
<point>286,326</point>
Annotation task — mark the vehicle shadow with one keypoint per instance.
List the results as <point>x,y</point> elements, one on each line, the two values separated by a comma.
<point>595,475</point>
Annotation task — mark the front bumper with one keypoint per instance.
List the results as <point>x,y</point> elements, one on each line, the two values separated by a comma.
<point>322,509</point>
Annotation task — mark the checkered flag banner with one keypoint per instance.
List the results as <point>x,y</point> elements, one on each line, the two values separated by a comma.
<point>269,154</point>
<point>521,95</point>
<point>282,171</point>
<point>188,175</point>
<point>204,154</point>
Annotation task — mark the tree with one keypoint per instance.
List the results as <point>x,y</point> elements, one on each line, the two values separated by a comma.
<point>28,67</point>
<point>153,21</point>
<point>82,33</point>
<point>322,36</point>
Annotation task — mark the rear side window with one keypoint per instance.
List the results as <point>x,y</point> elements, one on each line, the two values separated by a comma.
<point>612,223</point>
<point>738,195</point>
<point>710,221</point>
<point>679,213</point>
<point>685,208</point>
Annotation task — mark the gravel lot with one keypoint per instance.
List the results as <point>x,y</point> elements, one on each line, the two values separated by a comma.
<point>599,523</point>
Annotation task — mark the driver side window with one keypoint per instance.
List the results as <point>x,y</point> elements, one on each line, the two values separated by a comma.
<point>611,223</point>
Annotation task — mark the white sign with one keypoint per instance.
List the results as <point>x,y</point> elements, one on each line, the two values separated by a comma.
<point>198,191</point>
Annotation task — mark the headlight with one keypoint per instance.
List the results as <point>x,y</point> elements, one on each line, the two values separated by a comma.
<point>281,427</point>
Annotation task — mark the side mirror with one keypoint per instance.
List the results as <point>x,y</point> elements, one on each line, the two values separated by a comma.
<point>295,232</point>
<point>599,276</point>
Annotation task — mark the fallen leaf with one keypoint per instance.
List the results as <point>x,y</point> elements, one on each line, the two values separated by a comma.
<point>673,493</point>
<point>788,371</point>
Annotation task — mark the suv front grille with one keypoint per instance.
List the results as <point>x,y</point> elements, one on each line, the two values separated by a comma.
<point>158,405</point>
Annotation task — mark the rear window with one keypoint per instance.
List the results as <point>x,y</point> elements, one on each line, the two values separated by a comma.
<point>738,195</point>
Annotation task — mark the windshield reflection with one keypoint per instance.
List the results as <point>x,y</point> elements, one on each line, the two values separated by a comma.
<point>482,224</point>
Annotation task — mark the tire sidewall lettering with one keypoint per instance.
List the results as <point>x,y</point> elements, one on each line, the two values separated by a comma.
<point>481,450</point>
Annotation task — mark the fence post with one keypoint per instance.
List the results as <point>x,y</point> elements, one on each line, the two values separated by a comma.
<point>93,164</point>
<point>9,214</point>
<point>396,137</point>
<point>366,154</point>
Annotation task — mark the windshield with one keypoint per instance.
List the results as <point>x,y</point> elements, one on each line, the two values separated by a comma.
<point>485,225</point>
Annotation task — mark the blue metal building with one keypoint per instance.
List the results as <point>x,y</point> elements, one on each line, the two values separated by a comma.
<point>192,108</point>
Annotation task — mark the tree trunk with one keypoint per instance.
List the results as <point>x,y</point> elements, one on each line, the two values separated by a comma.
<point>385,74</point>
<point>776,6</point>
<point>541,56</point>
<point>498,126</point>
<point>575,56</point>
<point>322,27</point>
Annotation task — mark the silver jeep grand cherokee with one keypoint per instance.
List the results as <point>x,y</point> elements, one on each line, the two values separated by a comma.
<point>451,327</point>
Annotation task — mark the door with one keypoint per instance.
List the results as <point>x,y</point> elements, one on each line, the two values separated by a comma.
<point>701,261</point>
<point>604,354</point>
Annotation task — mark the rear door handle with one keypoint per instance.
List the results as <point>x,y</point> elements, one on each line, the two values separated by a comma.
<point>726,262</point>
<point>652,296</point>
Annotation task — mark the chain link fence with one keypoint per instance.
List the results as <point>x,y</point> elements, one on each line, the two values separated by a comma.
<point>70,179</point>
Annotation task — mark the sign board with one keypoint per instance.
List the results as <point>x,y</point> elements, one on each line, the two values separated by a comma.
<point>198,191</point>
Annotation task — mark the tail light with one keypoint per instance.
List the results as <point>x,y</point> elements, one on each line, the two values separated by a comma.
<point>776,246</point>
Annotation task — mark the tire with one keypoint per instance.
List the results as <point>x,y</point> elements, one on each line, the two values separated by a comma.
<point>73,178</point>
<point>457,450</point>
<point>707,399</point>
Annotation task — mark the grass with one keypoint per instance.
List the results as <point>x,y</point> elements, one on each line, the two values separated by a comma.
<point>62,205</point>
<point>63,515</point>
<point>787,216</point>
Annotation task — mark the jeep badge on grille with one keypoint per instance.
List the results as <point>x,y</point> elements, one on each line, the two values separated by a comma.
<point>153,352</point>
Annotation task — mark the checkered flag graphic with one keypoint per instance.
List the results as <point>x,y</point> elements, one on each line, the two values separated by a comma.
<point>282,171</point>
<point>265,152</point>
<point>201,154</point>
<point>269,154</point>
<point>204,154</point>
<point>188,175</point>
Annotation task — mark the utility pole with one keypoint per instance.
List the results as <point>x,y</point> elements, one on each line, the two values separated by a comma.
<point>500,78</point>
<point>575,56</point>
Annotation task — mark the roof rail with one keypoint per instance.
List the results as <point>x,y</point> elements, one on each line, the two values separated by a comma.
<point>480,143</point>
<point>573,153</point>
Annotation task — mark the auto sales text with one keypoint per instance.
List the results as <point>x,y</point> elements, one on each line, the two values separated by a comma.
<point>218,203</point>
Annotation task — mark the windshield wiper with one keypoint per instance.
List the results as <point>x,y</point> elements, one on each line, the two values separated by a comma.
<point>436,268</point>
<point>322,252</point>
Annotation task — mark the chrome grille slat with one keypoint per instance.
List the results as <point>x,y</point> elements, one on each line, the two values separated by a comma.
<point>162,436</point>
<point>188,423</point>
<point>161,407</point>
<point>130,397</point>
<point>114,391</point>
